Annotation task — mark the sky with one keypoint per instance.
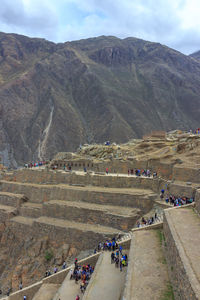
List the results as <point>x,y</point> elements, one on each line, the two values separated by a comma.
<point>175,23</point>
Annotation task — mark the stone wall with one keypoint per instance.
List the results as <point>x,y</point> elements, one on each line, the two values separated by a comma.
<point>28,291</point>
<point>5,215</point>
<point>14,200</point>
<point>183,285</point>
<point>184,173</point>
<point>197,200</point>
<point>58,177</point>
<point>75,237</point>
<point>44,193</point>
<point>94,216</point>
<point>57,278</point>
<point>60,276</point>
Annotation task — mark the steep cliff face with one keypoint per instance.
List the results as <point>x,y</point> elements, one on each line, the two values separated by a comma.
<point>54,97</point>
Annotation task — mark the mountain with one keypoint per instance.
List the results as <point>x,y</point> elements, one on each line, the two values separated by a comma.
<point>54,97</point>
<point>195,55</point>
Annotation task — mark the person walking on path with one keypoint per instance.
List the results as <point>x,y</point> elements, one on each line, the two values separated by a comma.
<point>120,265</point>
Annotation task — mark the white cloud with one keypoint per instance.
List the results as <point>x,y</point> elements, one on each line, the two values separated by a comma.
<point>174,23</point>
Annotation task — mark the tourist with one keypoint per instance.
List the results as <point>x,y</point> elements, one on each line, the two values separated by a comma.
<point>116,262</point>
<point>113,245</point>
<point>112,257</point>
<point>120,265</point>
<point>55,270</point>
<point>75,261</point>
<point>99,246</point>
<point>64,266</point>
<point>77,297</point>
<point>71,274</point>
<point>8,292</point>
<point>107,171</point>
<point>20,286</point>
<point>25,298</point>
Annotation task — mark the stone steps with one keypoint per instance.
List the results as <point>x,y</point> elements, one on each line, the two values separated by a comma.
<point>46,291</point>
<point>182,234</point>
<point>147,270</point>
<point>122,218</point>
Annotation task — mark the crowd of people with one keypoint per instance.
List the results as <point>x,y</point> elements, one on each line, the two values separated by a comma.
<point>82,274</point>
<point>107,245</point>
<point>119,259</point>
<point>142,172</point>
<point>34,165</point>
<point>178,201</point>
<point>148,221</point>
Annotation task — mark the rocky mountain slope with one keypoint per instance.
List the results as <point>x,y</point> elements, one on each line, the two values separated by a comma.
<point>196,55</point>
<point>54,97</point>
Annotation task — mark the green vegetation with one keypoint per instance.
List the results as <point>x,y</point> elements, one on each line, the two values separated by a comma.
<point>48,255</point>
<point>161,236</point>
<point>168,294</point>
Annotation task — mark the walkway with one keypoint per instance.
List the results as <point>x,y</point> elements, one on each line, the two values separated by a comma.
<point>68,290</point>
<point>107,282</point>
<point>147,271</point>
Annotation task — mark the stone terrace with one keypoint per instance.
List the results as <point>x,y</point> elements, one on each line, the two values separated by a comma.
<point>56,202</point>
<point>65,206</point>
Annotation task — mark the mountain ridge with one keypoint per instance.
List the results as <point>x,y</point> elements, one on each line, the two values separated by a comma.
<point>94,90</point>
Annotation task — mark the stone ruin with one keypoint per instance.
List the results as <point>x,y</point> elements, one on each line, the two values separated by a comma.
<point>74,210</point>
